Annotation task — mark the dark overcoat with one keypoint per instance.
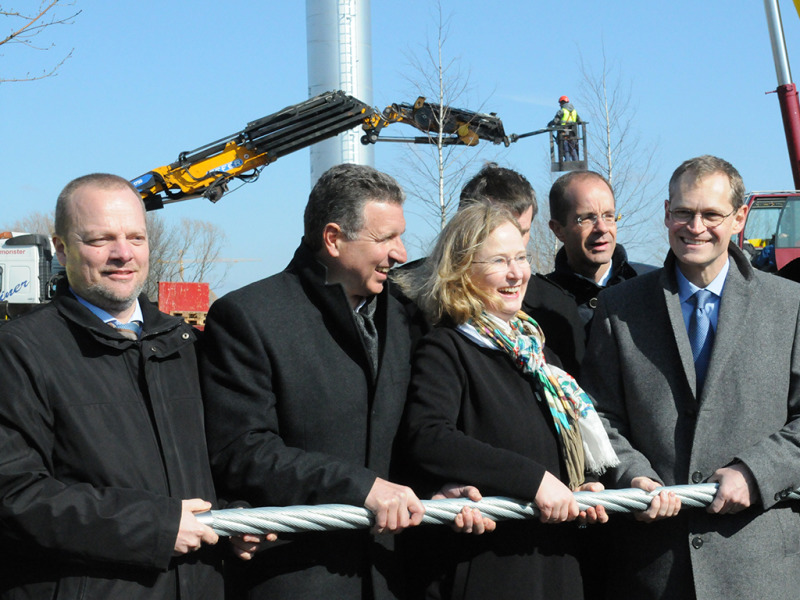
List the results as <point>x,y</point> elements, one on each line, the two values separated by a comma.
<point>101,437</point>
<point>296,415</point>
<point>639,369</point>
<point>474,417</point>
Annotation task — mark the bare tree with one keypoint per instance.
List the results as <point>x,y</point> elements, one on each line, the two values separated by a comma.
<point>543,245</point>
<point>27,27</point>
<point>434,173</point>
<point>617,151</point>
<point>35,222</point>
<point>186,252</point>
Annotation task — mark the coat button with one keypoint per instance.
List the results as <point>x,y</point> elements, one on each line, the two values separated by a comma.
<point>697,543</point>
<point>697,477</point>
<point>592,303</point>
<point>153,349</point>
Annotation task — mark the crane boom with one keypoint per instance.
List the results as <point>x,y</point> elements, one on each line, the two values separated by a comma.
<point>207,170</point>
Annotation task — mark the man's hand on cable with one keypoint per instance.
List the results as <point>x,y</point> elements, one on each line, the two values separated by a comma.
<point>662,506</point>
<point>737,489</point>
<point>593,514</point>
<point>395,506</point>
<point>192,534</point>
<point>469,520</point>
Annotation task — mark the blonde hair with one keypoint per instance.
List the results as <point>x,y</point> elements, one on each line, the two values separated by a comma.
<point>443,285</point>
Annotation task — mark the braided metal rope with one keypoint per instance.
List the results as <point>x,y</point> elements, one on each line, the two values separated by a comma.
<point>329,517</point>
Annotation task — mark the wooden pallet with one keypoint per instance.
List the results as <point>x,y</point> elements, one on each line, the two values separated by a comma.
<point>193,318</point>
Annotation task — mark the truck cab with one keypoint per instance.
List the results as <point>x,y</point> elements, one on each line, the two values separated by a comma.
<point>771,234</point>
<point>27,270</point>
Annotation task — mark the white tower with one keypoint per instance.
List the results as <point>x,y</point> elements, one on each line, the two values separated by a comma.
<point>339,58</point>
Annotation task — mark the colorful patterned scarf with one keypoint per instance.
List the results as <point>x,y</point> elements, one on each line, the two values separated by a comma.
<point>585,446</point>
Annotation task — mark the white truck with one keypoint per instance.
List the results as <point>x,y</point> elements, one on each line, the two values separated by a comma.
<point>27,272</point>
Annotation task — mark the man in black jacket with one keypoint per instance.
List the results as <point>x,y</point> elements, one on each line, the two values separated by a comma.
<point>583,216</point>
<point>305,376</point>
<point>103,463</point>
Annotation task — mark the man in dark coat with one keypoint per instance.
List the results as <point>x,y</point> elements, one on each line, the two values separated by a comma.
<point>686,403</point>
<point>583,217</point>
<point>102,456</point>
<point>305,376</point>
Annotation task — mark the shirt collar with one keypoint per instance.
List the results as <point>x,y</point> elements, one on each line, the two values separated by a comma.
<point>604,280</point>
<point>686,288</point>
<point>103,315</point>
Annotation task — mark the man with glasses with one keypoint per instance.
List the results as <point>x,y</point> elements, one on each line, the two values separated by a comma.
<point>695,369</point>
<point>583,217</point>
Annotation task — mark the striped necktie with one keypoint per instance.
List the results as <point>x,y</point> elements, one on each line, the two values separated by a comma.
<point>130,330</point>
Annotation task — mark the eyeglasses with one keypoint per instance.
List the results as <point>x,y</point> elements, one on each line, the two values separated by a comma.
<point>710,218</point>
<point>591,220</point>
<point>498,263</point>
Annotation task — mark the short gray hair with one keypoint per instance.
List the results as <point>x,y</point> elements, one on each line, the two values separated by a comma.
<point>103,181</point>
<point>560,198</point>
<point>703,166</point>
<point>339,197</point>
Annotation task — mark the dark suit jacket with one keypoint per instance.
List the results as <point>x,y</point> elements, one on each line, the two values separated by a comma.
<point>639,369</point>
<point>295,415</point>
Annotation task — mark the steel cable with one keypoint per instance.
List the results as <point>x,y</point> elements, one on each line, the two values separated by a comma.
<point>330,517</point>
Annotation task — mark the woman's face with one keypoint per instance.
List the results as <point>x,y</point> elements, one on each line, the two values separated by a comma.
<point>500,270</point>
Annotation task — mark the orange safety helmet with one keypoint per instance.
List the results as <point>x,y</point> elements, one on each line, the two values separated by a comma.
<point>563,99</point>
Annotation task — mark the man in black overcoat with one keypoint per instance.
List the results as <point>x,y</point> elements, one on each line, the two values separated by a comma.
<point>305,376</point>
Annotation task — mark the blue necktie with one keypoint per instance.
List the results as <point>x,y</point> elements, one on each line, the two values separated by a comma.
<point>701,335</point>
<point>130,330</point>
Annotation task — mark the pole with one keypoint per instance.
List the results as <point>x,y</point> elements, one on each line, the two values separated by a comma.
<point>787,91</point>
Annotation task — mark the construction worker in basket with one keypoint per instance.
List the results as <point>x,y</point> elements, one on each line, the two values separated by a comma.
<point>567,138</point>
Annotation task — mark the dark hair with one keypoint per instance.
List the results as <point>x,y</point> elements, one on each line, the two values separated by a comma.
<point>560,199</point>
<point>103,181</point>
<point>500,186</point>
<point>339,197</point>
<point>703,166</point>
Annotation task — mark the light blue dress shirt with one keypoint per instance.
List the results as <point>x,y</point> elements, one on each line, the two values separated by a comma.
<point>686,290</point>
<point>103,315</point>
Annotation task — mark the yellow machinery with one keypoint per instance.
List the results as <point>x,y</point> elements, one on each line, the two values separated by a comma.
<point>207,171</point>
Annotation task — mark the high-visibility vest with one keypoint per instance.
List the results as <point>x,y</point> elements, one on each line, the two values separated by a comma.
<point>568,116</point>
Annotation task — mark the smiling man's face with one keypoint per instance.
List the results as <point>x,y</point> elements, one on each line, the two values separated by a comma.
<point>105,250</point>
<point>362,264</point>
<point>702,251</point>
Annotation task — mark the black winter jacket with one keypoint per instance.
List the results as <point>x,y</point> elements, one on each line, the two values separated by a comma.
<point>101,437</point>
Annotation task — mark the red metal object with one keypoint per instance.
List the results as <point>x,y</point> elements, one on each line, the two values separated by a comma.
<point>790,109</point>
<point>187,300</point>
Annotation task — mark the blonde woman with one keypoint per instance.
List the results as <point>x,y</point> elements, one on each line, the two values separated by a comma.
<point>487,407</point>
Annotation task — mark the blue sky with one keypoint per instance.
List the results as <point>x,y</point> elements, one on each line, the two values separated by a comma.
<point>149,79</point>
